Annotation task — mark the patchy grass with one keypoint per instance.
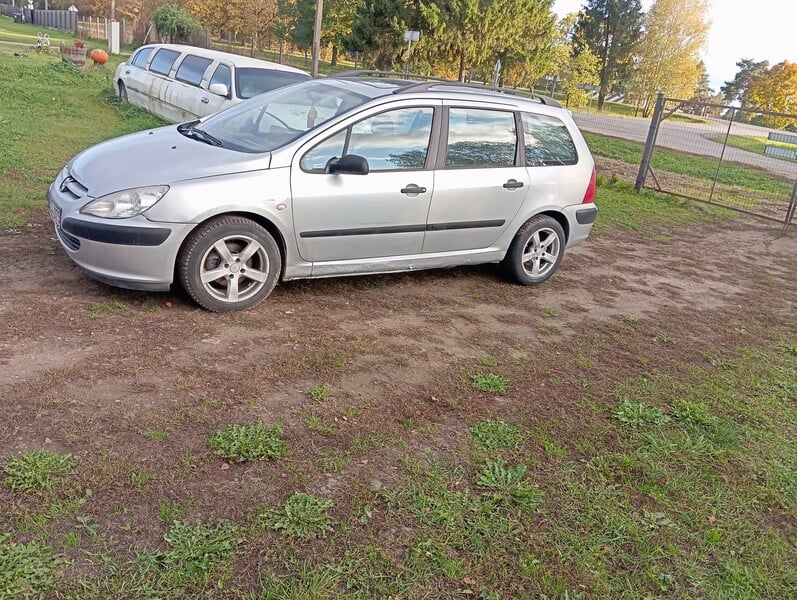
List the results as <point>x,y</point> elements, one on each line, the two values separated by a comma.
<point>302,515</point>
<point>249,442</point>
<point>36,470</point>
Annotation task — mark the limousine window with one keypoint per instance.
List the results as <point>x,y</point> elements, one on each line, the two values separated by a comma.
<point>140,59</point>
<point>163,61</point>
<point>192,69</point>
<point>253,81</point>
<point>222,74</point>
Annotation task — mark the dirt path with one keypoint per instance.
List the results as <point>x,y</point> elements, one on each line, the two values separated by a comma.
<point>63,332</point>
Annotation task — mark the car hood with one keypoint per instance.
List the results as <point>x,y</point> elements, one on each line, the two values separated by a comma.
<point>156,157</point>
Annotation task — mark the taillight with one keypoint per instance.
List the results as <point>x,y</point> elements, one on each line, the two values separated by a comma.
<point>589,195</point>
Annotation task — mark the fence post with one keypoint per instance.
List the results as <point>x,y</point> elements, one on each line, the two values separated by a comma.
<point>653,131</point>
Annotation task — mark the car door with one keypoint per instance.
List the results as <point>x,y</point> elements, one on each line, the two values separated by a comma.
<point>184,91</point>
<point>340,217</point>
<point>480,183</point>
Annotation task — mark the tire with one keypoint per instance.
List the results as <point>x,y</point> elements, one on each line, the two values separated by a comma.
<point>536,251</point>
<point>123,91</point>
<point>229,264</point>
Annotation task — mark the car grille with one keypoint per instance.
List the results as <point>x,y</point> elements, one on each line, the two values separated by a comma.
<point>70,186</point>
<point>67,240</point>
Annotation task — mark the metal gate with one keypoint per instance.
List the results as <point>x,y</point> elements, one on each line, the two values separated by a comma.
<point>723,155</point>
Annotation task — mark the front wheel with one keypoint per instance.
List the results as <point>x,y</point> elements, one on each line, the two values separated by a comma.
<point>536,251</point>
<point>229,263</point>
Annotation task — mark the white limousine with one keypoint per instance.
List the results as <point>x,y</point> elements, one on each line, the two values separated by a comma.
<point>181,83</point>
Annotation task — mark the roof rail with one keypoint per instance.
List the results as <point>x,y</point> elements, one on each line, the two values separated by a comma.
<point>425,82</point>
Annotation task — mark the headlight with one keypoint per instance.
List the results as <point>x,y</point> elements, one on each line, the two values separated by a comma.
<point>127,203</point>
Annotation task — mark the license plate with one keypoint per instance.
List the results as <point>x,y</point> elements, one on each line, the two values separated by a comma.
<point>55,212</point>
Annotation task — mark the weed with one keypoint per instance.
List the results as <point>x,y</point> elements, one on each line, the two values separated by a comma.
<point>95,311</point>
<point>320,393</point>
<point>26,570</point>
<point>496,434</point>
<point>194,550</point>
<point>249,442</point>
<point>638,414</point>
<point>87,524</point>
<point>478,296</point>
<point>303,516</point>
<point>695,413</point>
<point>548,313</point>
<point>487,363</point>
<point>36,470</point>
<point>508,484</point>
<point>490,382</point>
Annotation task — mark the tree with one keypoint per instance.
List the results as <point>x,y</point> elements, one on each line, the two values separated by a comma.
<point>378,32</point>
<point>611,30</point>
<point>776,91</point>
<point>573,70</point>
<point>173,23</point>
<point>668,55</point>
<point>735,91</point>
<point>471,35</point>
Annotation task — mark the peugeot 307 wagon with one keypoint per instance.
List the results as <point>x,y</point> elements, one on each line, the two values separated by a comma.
<point>347,175</point>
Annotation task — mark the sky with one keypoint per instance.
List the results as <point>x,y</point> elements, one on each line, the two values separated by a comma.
<point>760,30</point>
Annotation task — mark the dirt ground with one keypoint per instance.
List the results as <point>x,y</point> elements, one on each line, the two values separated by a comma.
<point>92,370</point>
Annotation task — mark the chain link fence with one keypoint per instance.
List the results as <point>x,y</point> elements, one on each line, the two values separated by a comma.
<point>740,159</point>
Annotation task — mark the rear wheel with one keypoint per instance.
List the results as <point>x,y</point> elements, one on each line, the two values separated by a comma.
<point>122,91</point>
<point>536,251</point>
<point>229,263</point>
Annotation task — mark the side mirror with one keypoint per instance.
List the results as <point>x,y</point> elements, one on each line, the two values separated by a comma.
<point>349,164</point>
<point>219,89</point>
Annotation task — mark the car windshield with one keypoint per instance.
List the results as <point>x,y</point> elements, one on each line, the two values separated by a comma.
<point>251,81</point>
<point>273,119</point>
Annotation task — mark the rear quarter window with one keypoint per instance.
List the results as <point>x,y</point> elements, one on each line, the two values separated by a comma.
<point>547,141</point>
<point>163,61</point>
<point>192,69</point>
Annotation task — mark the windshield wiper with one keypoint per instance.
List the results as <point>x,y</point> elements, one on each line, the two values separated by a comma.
<point>188,130</point>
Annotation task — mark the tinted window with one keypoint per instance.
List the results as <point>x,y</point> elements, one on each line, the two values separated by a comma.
<point>547,141</point>
<point>252,81</point>
<point>480,138</point>
<point>140,59</point>
<point>163,61</point>
<point>222,74</point>
<point>192,69</point>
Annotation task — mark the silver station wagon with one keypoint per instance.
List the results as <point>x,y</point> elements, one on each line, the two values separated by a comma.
<point>347,175</point>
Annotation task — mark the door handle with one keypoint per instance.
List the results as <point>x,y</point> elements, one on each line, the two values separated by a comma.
<point>413,189</point>
<point>512,184</point>
<point>206,100</point>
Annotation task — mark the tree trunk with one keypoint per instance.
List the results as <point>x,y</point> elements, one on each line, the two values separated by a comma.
<point>334,61</point>
<point>462,65</point>
<point>282,46</point>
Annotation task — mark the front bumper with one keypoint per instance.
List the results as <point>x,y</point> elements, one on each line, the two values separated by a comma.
<point>133,253</point>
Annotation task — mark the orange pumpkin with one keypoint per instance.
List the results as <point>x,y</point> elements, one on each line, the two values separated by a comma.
<point>99,56</point>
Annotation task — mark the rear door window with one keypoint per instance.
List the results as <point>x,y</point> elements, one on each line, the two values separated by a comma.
<point>192,69</point>
<point>480,138</point>
<point>163,61</point>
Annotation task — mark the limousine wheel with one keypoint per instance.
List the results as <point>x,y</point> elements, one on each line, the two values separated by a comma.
<point>122,91</point>
<point>229,263</point>
<point>536,251</point>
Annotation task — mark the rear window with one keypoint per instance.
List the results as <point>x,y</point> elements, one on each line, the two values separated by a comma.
<point>140,59</point>
<point>547,141</point>
<point>252,81</point>
<point>192,69</point>
<point>163,61</point>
